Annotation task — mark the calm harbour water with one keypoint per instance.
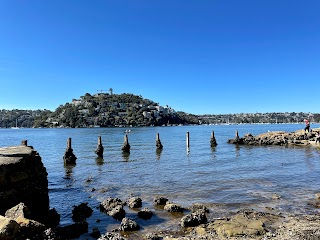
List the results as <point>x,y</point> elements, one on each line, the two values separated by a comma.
<point>228,177</point>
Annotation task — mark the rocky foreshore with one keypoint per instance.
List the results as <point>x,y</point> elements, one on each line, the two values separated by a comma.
<point>194,224</point>
<point>297,138</point>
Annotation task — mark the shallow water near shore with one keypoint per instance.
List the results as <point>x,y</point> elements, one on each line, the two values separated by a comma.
<point>227,177</point>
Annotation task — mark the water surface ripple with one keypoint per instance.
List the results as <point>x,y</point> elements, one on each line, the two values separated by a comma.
<point>227,177</point>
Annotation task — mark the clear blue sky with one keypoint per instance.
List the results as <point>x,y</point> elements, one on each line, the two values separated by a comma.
<point>200,56</point>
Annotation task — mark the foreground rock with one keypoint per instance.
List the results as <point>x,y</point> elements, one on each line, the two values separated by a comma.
<point>8,228</point>
<point>244,223</point>
<point>297,138</point>
<point>23,179</point>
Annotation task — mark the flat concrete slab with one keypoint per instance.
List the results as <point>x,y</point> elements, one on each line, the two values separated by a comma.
<point>11,155</point>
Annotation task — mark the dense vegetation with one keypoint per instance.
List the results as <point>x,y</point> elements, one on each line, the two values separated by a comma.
<point>112,110</point>
<point>108,110</point>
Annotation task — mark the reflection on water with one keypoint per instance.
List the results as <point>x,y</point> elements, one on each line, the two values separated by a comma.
<point>237,147</point>
<point>68,170</point>
<point>158,153</point>
<point>126,156</point>
<point>99,161</point>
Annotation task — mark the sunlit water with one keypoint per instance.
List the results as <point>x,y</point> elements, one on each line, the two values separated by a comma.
<point>227,178</point>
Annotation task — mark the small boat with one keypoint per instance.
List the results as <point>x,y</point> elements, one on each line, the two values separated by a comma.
<point>127,131</point>
<point>16,127</point>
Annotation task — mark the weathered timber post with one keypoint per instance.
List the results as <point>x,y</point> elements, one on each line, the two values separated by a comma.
<point>99,150</point>
<point>188,141</point>
<point>237,136</point>
<point>69,157</point>
<point>126,145</point>
<point>158,142</point>
<point>213,141</point>
<point>24,143</point>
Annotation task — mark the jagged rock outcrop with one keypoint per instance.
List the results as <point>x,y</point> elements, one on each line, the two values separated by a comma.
<point>297,138</point>
<point>23,179</point>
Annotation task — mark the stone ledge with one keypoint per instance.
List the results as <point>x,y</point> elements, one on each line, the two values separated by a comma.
<point>12,155</point>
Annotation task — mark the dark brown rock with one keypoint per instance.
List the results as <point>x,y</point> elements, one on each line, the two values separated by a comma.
<point>23,179</point>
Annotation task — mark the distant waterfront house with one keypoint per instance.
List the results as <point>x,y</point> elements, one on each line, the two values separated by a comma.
<point>84,111</point>
<point>160,108</point>
<point>146,114</point>
<point>155,113</point>
<point>151,107</point>
<point>76,102</point>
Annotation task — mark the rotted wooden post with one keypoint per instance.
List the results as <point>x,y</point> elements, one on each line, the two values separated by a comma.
<point>188,140</point>
<point>69,157</point>
<point>126,145</point>
<point>158,142</point>
<point>100,149</point>
<point>213,141</point>
<point>237,135</point>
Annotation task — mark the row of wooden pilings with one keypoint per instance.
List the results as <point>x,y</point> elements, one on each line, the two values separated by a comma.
<point>70,158</point>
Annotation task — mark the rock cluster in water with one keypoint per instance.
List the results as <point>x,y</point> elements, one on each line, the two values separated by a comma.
<point>281,138</point>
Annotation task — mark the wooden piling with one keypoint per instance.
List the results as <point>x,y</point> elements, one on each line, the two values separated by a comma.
<point>213,141</point>
<point>126,145</point>
<point>69,157</point>
<point>24,142</point>
<point>158,142</point>
<point>188,140</point>
<point>69,143</point>
<point>237,135</point>
<point>100,149</point>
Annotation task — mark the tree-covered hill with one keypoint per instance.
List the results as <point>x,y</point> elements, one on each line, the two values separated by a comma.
<point>108,110</point>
